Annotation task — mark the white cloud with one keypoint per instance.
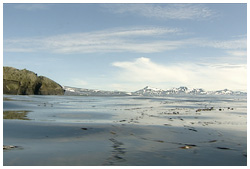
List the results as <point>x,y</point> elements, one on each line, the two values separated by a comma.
<point>31,7</point>
<point>143,70</point>
<point>13,49</point>
<point>209,77</point>
<point>228,44</point>
<point>143,40</point>
<point>137,40</point>
<point>163,11</point>
<point>237,52</point>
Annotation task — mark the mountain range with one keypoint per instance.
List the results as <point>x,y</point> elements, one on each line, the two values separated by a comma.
<point>149,91</point>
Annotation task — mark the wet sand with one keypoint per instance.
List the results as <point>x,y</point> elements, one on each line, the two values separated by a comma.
<point>68,131</point>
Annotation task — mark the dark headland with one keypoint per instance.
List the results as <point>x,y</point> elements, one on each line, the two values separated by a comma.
<point>25,82</point>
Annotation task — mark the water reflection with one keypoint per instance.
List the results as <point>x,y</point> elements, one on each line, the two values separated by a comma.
<point>18,114</point>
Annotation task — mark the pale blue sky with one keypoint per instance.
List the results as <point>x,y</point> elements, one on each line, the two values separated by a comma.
<point>129,46</point>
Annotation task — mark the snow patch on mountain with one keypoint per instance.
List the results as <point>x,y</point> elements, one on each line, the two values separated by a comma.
<point>92,92</point>
<point>149,91</point>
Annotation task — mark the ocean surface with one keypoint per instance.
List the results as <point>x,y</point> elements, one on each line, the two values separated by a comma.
<point>131,130</point>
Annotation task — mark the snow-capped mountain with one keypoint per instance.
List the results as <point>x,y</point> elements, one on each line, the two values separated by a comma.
<point>149,91</point>
<point>228,92</point>
<point>185,90</point>
<point>225,91</point>
<point>92,92</point>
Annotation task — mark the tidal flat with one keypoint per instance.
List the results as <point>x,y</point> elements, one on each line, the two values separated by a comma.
<point>125,131</point>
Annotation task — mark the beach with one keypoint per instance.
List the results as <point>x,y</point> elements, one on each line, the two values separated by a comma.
<point>125,131</point>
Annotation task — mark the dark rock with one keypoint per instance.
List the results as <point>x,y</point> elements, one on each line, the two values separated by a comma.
<point>9,147</point>
<point>212,141</point>
<point>25,82</point>
<point>224,148</point>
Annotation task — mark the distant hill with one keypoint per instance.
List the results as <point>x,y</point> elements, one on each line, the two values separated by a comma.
<point>25,82</point>
<point>149,91</point>
<point>91,92</point>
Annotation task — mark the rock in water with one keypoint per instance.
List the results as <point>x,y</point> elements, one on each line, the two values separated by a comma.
<point>25,82</point>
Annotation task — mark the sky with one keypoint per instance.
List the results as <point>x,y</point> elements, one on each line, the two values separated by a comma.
<point>129,46</point>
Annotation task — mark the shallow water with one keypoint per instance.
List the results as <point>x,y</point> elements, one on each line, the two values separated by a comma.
<point>76,130</point>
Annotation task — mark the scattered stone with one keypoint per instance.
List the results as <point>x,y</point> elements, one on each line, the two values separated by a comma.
<point>212,141</point>
<point>223,148</point>
<point>188,146</point>
<point>185,147</point>
<point>190,128</point>
<point>193,130</point>
<point>112,132</point>
<point>160,141</point>
<point>206,109</point>
<point>9,147</point>
<point>191,145</point>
